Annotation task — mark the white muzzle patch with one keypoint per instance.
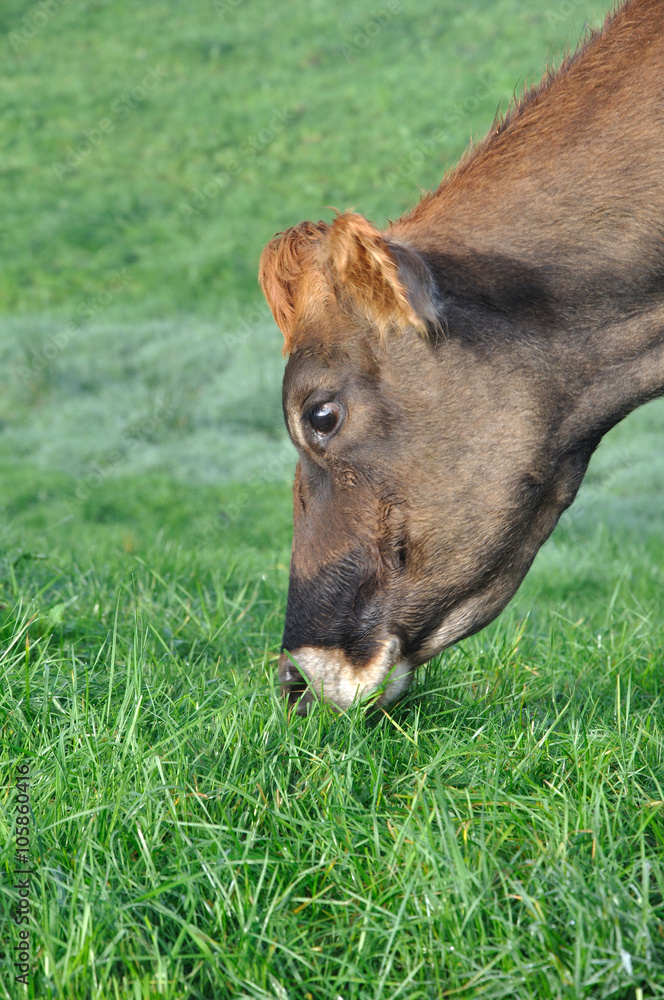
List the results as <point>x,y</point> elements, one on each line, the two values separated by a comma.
<point>333,678</point>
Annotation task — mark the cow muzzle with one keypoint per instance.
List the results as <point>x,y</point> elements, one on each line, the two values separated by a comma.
<point>313,673</point>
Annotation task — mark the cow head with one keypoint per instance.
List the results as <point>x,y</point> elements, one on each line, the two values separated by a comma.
<point>429,469</point>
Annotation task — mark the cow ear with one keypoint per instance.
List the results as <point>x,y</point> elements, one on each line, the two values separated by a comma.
<point>387,281</point>
<point>284,266</point>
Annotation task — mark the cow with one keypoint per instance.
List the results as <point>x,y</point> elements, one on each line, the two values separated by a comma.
<point>450,376</point>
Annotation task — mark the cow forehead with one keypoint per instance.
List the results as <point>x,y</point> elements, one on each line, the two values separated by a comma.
<point>330,354</point>
<point>323,327</point>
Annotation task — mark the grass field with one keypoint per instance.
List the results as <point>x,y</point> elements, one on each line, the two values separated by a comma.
<point>501,832</point>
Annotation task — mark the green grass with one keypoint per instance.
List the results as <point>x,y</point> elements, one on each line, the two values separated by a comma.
<point>131,208</point>
<point>501,832</point>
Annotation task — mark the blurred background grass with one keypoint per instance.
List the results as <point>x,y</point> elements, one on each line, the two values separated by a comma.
<point>116,119</point>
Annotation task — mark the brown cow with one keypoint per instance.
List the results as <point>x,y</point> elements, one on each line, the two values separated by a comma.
<point>450,377</point>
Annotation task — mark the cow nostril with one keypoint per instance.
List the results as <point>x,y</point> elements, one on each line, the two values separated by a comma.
<point>402,554</point>
<point>301,702</point>
<point>293,685</point>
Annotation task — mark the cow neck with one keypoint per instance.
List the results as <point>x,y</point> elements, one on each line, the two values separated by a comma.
<point>552,229</point>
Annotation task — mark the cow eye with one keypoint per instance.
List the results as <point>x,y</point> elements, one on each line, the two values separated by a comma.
<point>324,418</point>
